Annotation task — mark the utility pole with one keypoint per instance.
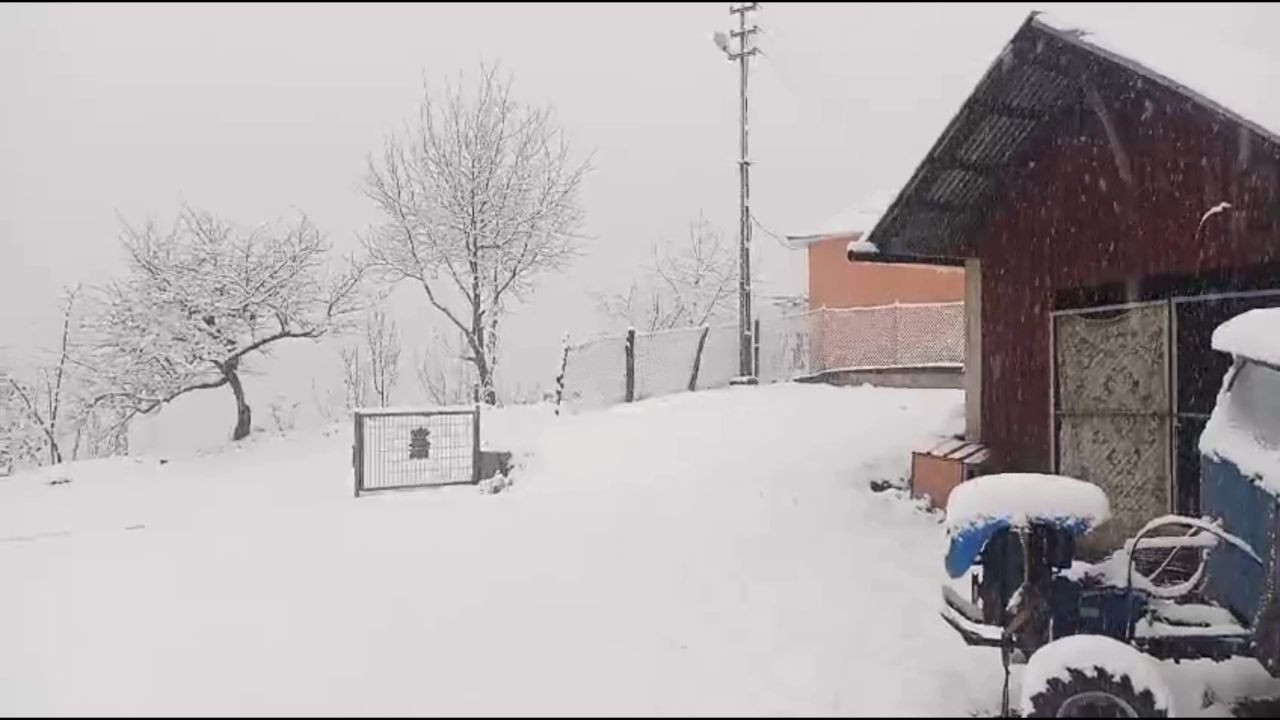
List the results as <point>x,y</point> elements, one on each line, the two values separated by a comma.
<point>743,33</point>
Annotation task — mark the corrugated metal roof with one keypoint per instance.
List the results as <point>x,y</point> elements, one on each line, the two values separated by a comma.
<point>1022,91</point>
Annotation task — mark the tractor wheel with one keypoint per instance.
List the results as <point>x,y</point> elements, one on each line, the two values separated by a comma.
<point>1094,695</point>
<point>1093,676</point>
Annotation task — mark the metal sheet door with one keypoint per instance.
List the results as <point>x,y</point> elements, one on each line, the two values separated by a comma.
<point>1112,410</point>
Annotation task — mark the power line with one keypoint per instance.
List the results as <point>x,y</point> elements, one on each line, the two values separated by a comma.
<point>781,241</point>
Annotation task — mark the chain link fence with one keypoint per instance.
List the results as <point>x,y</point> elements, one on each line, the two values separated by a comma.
<point>635,366</point>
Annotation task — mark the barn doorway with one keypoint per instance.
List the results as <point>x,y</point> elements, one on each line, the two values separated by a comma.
<point>1132,387</point>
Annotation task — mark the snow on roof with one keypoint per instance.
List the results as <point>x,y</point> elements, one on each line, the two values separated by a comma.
<point>1254,335</point>
<point>858,218</point>
<point>1236,81</point>
<point>863,246</point>
<point>1023,497</point>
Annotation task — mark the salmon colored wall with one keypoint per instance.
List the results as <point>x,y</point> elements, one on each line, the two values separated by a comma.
<point>835,282</point>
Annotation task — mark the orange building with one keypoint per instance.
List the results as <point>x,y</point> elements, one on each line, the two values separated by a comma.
<point>880,319</point>
<point>835,281</point>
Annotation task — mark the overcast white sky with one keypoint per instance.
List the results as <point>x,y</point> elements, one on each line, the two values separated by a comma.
<point>252,111</point>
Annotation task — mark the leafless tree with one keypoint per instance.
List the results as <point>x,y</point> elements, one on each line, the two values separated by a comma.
<point>687,286</point>
<point>383,339</point>
<point>370,372</point>
<point>42,402</point>
<point>442,377</point>
<point>51,417</point>
<point>204,297</point>
<point>21,440</point>
<point>479,198</point>
<point>354,378</point>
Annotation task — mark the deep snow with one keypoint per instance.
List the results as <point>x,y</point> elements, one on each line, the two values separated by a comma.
<point>716,552</point>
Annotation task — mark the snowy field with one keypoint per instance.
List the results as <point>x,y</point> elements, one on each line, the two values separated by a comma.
<point>709,553</point>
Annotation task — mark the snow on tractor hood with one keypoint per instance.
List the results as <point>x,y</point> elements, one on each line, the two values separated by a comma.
<point>1254,335</point>
<point>979,509</point>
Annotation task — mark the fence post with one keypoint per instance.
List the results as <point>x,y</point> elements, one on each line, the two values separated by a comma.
<point>476,455</point>
<point>631,366</point>
<point>697,358</point>
<point>564,365</point>
<point>357,453</point>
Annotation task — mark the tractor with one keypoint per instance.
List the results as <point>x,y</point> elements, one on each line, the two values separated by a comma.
<point>1089,633</point>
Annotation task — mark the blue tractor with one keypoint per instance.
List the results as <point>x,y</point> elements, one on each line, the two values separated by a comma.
<point>1089,633</point>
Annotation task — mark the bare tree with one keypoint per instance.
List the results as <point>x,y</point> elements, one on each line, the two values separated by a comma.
<point>370,372</point>
<point>354,379</point>
<point>202,299</point>
<point>689,287</point>
<point>42,402</point>
<point>383,339</point>
<point>52,416</point>
<point>21,441</point>
<point>442,377</point>
<point>479,199</point>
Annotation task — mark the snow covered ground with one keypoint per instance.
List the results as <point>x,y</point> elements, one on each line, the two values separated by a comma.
<point>716,552</point>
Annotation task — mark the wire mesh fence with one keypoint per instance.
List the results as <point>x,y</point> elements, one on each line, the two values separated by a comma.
<point>595,372</point>
<point>635,366</point>
<point>930,334</point>
<point>786,346</point>
<point>883,336</point>
<point>415,448</point>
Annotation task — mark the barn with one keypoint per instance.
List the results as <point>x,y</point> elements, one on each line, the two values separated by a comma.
<point>1109,217</point>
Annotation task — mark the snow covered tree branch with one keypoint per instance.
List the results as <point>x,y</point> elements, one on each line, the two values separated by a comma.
<point>202,298</point>
<point>691,286</point>
<point>479,199</point>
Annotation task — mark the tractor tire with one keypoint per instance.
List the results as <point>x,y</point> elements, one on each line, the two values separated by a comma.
<point>1095,694</point>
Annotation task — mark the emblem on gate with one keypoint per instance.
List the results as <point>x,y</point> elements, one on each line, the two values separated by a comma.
<point>419,443</point>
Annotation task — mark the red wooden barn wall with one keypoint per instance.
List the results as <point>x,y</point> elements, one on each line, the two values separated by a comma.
<point>1068,221</point>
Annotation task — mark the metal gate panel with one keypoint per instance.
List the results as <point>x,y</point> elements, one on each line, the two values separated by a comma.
<point>1112,409</point>
<point>397,449</point>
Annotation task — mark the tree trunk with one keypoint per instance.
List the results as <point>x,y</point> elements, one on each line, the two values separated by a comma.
<point>243,415</point>
<point>484,371</point>
<point>484,376</point>
<point>697,358</point>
